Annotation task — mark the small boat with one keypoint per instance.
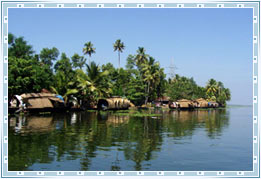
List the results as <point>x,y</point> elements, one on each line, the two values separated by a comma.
<point>113,103</point>
<point>37,102</point>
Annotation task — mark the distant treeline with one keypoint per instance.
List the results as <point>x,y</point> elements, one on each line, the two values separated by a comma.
<point>141,81</point>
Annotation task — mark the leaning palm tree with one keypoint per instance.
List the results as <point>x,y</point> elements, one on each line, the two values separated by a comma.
<point>88,49</point>
<point>118,46</point>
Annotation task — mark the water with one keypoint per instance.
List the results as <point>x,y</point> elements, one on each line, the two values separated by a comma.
<point>206,140</point>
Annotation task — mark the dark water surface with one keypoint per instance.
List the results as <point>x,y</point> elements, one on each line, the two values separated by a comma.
<point>217,139</point>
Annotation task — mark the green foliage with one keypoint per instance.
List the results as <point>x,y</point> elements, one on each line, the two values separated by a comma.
<point>215,91</point>
<point>78,61</point>
<point>64,74</point>
<point>141,56</point>
<point>97,83</point>
<point>27,75</point>
<point>130,62</point>
<point>184,88</point>
<point>127,83</point>
<point>135,91</point>
<point>47,55</point>
<point>142,81</point>
<point>25,72</point>
<point>18,47</point>
<point>112,76</point>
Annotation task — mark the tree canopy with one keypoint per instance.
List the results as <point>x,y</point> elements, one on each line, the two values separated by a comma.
<point>142,80</point>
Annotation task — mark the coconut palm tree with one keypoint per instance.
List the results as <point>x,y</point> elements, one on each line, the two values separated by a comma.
<point>118,46</point>
<point>78,61</point>
<point>228,94</point>
<point>220,87</point>
<point>88,49</point>
<point>141,57</point>
<point>91,86</point>
<point>151,75</point>
<point>211,89</point>
<point>223,95</point>
<point>97,83</point>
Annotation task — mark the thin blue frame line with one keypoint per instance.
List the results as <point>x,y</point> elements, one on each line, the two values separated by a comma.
<point>141,3</point>
<point>18,176</point>
<point>258,131</point>
<point>239,176</point>
<point>240,1</point>
<point>22,1</point>
<point>34,176</point>
<point>3,103</point>
<point>73,3</point>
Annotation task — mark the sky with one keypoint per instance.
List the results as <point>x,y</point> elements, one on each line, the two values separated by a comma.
<point>202,43</point>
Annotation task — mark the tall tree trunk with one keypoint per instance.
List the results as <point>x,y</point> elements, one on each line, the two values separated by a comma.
<point>119,59</point>
<point>147,95</point>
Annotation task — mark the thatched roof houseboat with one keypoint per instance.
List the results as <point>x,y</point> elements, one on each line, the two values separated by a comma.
<point>113,103</point>
<point>185,104</point>
<point>42,101</point>
<point>213,104</point>
<point>201,103</point>
<point>162,101</point>
<point>37,102</point>
<point>189,104</point>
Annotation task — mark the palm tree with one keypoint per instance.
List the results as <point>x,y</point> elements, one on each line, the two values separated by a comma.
<point>118,46</point>
<point>220,87</point>
<point>223,94</point>
<point>96,81</point>
<point>88,49</point>
<point>78,61</point>
<point>91,86</point>
<point>211,89</point>
<point>141,57</point>
<point>151,75</point>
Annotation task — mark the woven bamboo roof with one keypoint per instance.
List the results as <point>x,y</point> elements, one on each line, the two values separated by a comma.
<point>37,95</point>
<point>184,100</point>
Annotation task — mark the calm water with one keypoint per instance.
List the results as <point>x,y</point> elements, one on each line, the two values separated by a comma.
<point>219,139</point>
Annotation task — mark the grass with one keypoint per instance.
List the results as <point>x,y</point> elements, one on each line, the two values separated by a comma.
<point>103,112</point>
<point>44,113</point>
<point>122,111</point>
<point>136,114</point>
<point>125,111</point>
<point>91,110</point>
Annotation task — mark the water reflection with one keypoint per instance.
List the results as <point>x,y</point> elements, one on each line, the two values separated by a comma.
<point>87,136</point>
<point>34,124</point>
<point>183,123</point>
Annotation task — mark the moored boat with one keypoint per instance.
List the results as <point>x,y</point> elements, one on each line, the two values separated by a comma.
<point>114,103</point>
<point>37,102</point>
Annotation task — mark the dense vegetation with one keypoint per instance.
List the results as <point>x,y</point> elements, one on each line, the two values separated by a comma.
<point>141,81</point>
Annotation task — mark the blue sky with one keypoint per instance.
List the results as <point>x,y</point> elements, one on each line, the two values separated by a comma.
<point>203,43</point>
